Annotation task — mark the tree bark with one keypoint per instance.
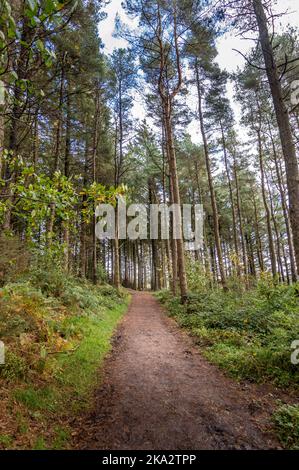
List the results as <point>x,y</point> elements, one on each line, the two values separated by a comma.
<point>94,178</point>
<point>283,121</point>
<point>234,227</point>
<point>267,210</point>
<point>285,210</point>
<point>211,184</point>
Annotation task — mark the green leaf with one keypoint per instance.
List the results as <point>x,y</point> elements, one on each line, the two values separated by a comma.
<point>32,4</point>
<point>13,75</point>
<point>49,7</point>
<point>40,45</point>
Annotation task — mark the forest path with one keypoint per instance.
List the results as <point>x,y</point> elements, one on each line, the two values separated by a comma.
<point>158,392</point>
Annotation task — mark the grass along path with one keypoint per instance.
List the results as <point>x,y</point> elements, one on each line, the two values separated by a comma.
<point>158,392</point>
<point>37,413</point>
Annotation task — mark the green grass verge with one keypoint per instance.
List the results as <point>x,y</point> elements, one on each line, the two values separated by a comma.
<point>76,372</point>
<point>57,331</point>
<point>76,375</point>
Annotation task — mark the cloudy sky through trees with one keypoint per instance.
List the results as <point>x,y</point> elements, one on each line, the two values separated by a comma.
<point>228,59</point>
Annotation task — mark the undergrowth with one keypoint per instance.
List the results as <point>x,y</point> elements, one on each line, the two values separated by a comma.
<point>249,334</point>
<point>286,422</point>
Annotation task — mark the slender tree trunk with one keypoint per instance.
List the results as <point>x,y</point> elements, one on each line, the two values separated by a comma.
<point>211,185</point>
<point>259,247</point>
<point>35,149</point>
<point>116,252</point>
<point>66,224</point>
<point>135,263</point>
<point>59,117</point>
<point>234,227</point>
<point>277,234</point>
<point>283,121</point>
<point>177,201</point>
<point>285,211</point>
<point>267,210</point>
<point>240,215</point>
<point>51,220</point>
<point>17,112</point>
<point>174,262</point>
<point>167,97</point>
<point>250,254</point>
<point>94,178</point>
<point>82,269</point>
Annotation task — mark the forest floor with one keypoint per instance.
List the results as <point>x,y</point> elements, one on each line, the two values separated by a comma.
<point>158,392</point>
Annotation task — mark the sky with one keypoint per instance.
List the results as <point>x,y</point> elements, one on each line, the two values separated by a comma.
<point>227,58</point>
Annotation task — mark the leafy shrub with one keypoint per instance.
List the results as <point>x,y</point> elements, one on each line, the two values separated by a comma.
<point>40,315</point>
<point>22,310</point>
<point>198,281</point>
<point>248,333</point>
<point>286,421</point>
<point>15,367</point>
<point>102,276</point>
<point>50,280</point>
<point>5,440</point>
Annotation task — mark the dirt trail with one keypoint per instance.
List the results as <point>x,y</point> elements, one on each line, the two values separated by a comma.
<point>160,393</point>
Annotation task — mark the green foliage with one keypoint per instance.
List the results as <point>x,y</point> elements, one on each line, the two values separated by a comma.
<point>286,421</point>
<point>248,334</point>
<point>57,331</point>
<point>197,279</point>
<point>35,399</point>
<point>102,275</point>
<point>5,440</point>
<point>35,195</point>
<point>62,436</point>
<point>15,367</point>
<point>40,444</point>
<point>40,201</point>
<point>34,12</point>
<point>96,194</point>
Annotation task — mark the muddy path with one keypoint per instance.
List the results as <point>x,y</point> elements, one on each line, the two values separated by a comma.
<point>158,392</point>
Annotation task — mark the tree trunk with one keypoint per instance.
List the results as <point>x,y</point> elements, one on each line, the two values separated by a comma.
<point>267,210</point>
<point>66,225</point>
<point>116,253</point>
<point>234,227</point>
<point>177,201</point>
<point>283,121</point>
<point>211,185</point>
<point>285,211</point>
<point>240,216</point>
<point>94,177</point>
<point>259,247</point>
